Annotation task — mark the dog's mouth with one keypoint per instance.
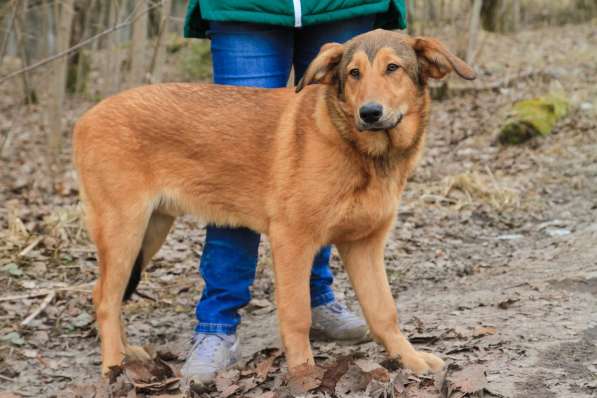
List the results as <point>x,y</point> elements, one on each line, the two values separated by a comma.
<point>385,124</point>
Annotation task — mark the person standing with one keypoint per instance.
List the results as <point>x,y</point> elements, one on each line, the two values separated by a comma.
<point>256,43</point>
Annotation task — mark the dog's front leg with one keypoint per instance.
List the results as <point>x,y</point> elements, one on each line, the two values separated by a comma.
<point>293,258</point>
<point>364,262</point>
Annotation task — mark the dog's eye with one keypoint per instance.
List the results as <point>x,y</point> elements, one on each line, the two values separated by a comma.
<point>392,67</point>
<point>355,73</point>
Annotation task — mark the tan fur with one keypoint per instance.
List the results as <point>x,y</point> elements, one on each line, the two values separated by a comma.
<point>292,166</point>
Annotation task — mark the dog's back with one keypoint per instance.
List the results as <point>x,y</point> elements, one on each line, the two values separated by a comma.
<point>212,143</point>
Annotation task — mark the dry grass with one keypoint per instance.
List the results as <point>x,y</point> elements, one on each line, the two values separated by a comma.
<point>66,225</point>
<point>62,228</point>
<point>476,187</point>
<point>468,189</point>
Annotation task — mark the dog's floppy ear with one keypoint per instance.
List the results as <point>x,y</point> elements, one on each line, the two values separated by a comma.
<point>324,67</point>
<point>436,61</point>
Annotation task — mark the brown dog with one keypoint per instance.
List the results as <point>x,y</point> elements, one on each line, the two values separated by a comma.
<point>326,165</point>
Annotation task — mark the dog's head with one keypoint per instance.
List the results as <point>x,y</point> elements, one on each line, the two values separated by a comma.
<point>381,78</point>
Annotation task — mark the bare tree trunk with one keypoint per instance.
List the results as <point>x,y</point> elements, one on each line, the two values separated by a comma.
<point>159,53</point>
<point>138,44</point>
<point>108,65</point>
<point>473,31</point>
<point>84,61</point>
<point>422,13</point>
<point>28,91</point>
<point>103,18</point>
<point>410,16</point>
<point>494,16</point>
<point>585,9</point>
<point>113,59</point>
<point>431,14</point>
<point>9,29</point>
<point>45,29</point>
<point>515,15</point>
<point>64,11</point>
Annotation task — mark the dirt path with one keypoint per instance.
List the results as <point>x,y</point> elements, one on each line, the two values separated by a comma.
<point>494,256</point>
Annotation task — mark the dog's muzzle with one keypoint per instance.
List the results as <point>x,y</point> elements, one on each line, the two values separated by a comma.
<point>373,118</point>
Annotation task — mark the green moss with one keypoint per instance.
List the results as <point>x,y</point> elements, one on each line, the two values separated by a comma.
<point>175,43</point>
<point>533,117</point>
<point>195,60</point>
<point>78,73</point>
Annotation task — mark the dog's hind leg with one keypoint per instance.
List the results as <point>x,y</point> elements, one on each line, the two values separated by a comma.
<point>118,234</point>
<point>364,262</point>
<point>157,229</point>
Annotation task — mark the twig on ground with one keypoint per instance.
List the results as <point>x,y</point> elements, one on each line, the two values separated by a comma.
<point>31,246</point>
<point>45,292</point>
<point>39,310</point>
<point>146,296</point>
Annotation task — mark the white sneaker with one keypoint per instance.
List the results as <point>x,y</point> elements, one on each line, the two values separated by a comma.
<point>334,321</point>
<point>210,354</point>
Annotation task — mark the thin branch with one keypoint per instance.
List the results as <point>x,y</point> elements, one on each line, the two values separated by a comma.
<point>39,310</point>
<point>128,21</point>
<point>31,246</point>
<point>45,292</point>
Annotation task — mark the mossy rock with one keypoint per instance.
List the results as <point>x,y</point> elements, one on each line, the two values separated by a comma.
<point>533,117</point>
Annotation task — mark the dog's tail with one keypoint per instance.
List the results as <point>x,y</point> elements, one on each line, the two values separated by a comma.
<point>155,234</point>
<point>135,277</point>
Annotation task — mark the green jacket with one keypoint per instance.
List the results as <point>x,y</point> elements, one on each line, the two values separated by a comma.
<point>390,14</point>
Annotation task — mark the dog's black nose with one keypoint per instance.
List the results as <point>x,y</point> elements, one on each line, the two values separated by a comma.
<point>371,112</point>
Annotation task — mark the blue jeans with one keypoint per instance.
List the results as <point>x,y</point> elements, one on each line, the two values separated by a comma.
<point>258,55</point>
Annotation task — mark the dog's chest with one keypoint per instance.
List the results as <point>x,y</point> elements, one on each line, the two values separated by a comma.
<point>364,213</point>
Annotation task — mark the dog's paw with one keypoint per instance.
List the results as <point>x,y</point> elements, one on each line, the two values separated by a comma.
<point>137,353</point>
<point>435,363</point>
<point>422,362</point>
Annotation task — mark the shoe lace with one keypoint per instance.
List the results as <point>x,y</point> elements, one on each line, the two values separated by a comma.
<point>209,343</point>
<point>335,308</point>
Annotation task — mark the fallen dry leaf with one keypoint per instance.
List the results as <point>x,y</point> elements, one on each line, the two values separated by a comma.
<point>504,305</point>
<point>226,378</point>
<point>138,372</point>
<point>334,373</point>
<point>471,381</point>
<point>263,367</point>
<point>305,378</point>
<point>373,369</point>
<point>230,390</point>
<point>424,338</point>
<point>353,381</point>
<point>158,386</point>
<point>484,331</point>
